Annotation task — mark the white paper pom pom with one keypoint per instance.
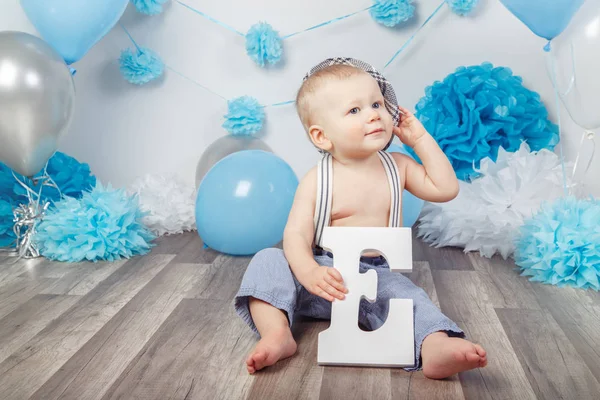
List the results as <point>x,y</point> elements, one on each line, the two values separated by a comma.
<point>168,203</point>
<point>487,213</point>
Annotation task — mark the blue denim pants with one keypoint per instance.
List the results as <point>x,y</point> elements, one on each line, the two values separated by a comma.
<point>270,279</point>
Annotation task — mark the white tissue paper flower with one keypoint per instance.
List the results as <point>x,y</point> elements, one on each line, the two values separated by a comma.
<point>168,202</point>
<point>486,214</point>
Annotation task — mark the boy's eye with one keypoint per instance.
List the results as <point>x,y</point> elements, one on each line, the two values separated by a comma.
<point>376,105</point>
<point>354,110</point>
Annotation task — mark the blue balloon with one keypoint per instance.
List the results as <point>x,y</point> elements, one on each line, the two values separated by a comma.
<point>545,18</point>
<point>72,27</point>
<point>243,202</point>
<point>411,204</point>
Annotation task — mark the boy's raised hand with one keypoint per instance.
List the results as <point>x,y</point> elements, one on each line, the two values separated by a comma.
<point>409,129</point>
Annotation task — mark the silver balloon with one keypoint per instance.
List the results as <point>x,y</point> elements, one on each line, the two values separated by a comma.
<point>37,96</point>
<point>573,66</point>
<point>223,147</point>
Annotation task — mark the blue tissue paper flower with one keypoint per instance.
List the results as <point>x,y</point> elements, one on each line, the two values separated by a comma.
<point>140,67</point>
<point>478,109</point>
<point>263,44</point>
<point>560,245</point>
<point>8,200</point>
<point>6,223</point>
<point>392,12</point>
<point>244,116</point>
<point>149,7</point>
<point>7,181</point>
<point>462,7</point>
<point>71,177</point>
<point>105,224</point>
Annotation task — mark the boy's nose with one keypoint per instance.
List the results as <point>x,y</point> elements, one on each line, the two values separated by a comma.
<point>374,116</point>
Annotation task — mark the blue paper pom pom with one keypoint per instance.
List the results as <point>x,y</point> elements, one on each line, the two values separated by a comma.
<point>140,67</point>
<point>8,200</point>
<point>263,44</point>
<point>462,7</point>
<point>149,7</point>
<point>392,12</point>
<point>7,181</point>
<point>560,245</point>
<point>105,224</point>
<point>244,116</point>
<point>6,223</point>
<point>71,177</point>
<point>477,110</point>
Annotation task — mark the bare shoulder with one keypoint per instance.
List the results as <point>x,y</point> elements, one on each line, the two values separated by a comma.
<point>310,178</point>
<point>402,160</point>
<point>301,215</point>
<point>308,185</point>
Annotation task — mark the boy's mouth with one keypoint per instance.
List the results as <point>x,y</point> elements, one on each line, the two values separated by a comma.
<point>375,131</point>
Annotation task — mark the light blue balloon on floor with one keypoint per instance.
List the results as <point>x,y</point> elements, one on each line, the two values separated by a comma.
<point>72,27</point>
<point>545,18</point>
<point>411,205</point>
<point>243,202</point>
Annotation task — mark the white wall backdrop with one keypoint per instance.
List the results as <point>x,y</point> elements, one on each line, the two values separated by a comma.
<point>124,131</point>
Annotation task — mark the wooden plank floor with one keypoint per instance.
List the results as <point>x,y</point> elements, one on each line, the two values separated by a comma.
<point>163,326</point>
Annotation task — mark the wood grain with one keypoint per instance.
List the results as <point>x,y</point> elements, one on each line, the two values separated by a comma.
<point>36,361</point>
<point>104,357</point>
<point>163,326</point>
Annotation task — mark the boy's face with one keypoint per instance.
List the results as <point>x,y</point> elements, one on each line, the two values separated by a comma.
<point>352,115</point>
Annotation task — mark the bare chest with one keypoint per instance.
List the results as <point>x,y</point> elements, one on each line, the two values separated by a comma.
<point>360,200</point>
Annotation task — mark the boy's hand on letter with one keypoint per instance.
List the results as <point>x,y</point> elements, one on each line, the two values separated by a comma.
<point>325,282</point>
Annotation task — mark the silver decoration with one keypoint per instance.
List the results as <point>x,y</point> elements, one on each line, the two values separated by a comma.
<point>27,216</point>
<point>223,147</point>
<point>37,96</point>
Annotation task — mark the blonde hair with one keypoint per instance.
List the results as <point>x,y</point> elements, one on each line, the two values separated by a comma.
<point>315,82</point>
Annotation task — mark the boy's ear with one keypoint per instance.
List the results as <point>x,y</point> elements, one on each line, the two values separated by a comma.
<point>317,136</point>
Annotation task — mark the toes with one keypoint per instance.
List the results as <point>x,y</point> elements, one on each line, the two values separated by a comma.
<point>259,360</point>
<point>480,350</point>
<point>250,365</point>
<point>473,357</point>
<point>483,354</point>
<point>255,361</point>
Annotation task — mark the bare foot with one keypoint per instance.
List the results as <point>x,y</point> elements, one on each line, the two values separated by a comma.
<point>445,356</point>
<point>276,346</point>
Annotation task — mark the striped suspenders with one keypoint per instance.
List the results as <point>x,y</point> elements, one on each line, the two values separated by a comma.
<point>325,190</point>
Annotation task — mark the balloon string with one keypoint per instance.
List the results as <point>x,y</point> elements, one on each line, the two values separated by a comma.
<point>44,179</point>
<point>30,215</point>
<point>572,80</point>
<point>28,190</point>
<point>51,181</point>
<point>560,141</point>
<point>590,136</point>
